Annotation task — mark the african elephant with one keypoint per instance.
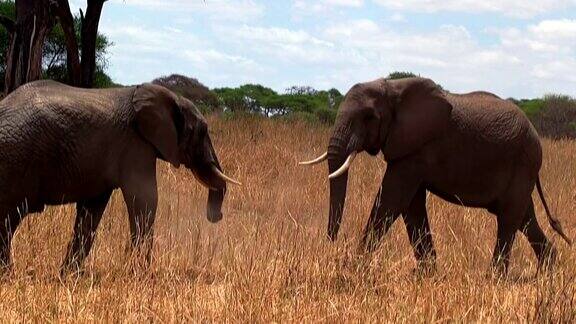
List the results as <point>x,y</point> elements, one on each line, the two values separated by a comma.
<point>470,149</point>
<point>60,144</point>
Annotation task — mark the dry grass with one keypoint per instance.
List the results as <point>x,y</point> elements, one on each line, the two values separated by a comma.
<point>269,260</point>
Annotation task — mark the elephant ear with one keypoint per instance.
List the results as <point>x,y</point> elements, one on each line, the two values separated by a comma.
<point>420,115</point>
<point>156,119</point>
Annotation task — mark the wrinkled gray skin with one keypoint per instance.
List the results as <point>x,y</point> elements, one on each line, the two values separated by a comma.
<point>60,144</point>
<point>475,150</point>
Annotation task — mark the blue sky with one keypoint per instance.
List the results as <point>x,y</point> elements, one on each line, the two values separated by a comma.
<point>519,48</point>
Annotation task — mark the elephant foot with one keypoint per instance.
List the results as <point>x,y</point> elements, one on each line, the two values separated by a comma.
<point>498,272</point>
<point>71,270</point>
<point>425,269</point>
<point>547,260</point>
<point>139,260</point>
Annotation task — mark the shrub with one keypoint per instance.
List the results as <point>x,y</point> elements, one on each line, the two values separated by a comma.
<point>191,89</point>
<point>401,75</point>
<point>531,107</point>
<point>326,115</point>
<point>556,117</point>
<point>406,74</point>
<point>298,116</point>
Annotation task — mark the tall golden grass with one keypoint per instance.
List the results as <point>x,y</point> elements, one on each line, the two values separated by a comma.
<point>269,259</point>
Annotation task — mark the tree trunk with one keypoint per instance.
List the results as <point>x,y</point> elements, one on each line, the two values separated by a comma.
<point>62,9</point>
<point>89,35</point>
<point>24,59</point>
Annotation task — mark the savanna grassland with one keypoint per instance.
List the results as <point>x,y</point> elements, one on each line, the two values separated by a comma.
<point>269,259</point>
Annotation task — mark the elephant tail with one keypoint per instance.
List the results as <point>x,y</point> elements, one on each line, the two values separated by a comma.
<point>553,221</point>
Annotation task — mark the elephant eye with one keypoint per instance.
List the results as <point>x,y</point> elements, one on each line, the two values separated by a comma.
<point>202,130</point>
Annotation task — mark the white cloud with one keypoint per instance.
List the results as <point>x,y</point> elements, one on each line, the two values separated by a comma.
<point>515,8</point>
<point>142,53</point>
<point>206,58</point>
<point>536,59</point>
<point>344,3</point>
<point>325,8</point>
<point>334,51</point>
<point>280,44</point>
<point>397,17</point>
<point>221,10</point>
<point>548,54</point>
<point>323,4</point>
<point>563,30</point>
<point>274,35</point>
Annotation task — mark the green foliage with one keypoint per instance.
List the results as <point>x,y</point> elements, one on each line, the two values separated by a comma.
<point>103,80</point>
<point>298,102</point>
<point>557,119</point>
<point>326,115</point>
<point>8,9</point>
<point>554,115</point>
<point>531,107</point>
<point>401,75</point>
<point>191,89</point>
<point>54,56</point>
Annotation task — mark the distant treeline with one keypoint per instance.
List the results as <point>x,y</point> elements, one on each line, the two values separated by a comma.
<point>299,102</point>
<point>553,115</point>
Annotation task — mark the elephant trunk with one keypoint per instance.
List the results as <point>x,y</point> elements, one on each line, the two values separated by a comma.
<point>214,206</point>
<point>209,173</point>
<point>337,154</point>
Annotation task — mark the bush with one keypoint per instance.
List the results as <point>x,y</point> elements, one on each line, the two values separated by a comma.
<point>531,107</point>
<point>303,103</point>
<point>556,117</point>
<point>326,115</point>
<point>401,75</point>
<point>406,74</point>
<point>298,116</point>
<point>103,80</point>
<point>192,90</point>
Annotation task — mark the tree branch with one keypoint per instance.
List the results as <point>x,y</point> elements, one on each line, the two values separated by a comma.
<point>54,58</point>
<point>64,15</point>
<point>89,36</point>
<point>8,23</point>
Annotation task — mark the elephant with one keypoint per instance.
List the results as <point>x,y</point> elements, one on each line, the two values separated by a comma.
<point>61,145</point>
<point>473,149</point>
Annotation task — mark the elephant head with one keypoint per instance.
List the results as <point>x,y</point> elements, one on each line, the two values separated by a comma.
<point>179,132</point>
<point>395,117</point>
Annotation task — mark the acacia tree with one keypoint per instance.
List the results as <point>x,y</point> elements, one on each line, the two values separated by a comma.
<point>28,32</point>
<point>80,69</point>
<point>55,61</point>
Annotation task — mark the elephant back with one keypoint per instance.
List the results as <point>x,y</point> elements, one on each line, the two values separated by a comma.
<point>490,117</point>
<point>55,96</point>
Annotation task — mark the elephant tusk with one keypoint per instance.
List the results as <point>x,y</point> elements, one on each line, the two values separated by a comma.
<point>204,183</point>
<point>344,166</point>
<point>225,177</point>
<point>320,159</point>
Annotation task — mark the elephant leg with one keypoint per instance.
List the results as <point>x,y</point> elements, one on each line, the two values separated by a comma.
<point>141,199</point>
<point>88,216</point>
<point>418,228</point>
<point>543,248</point>
<point>510,213</point>
<point>504,240</point>
<point>399,186</point>
<point>9,224</point>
